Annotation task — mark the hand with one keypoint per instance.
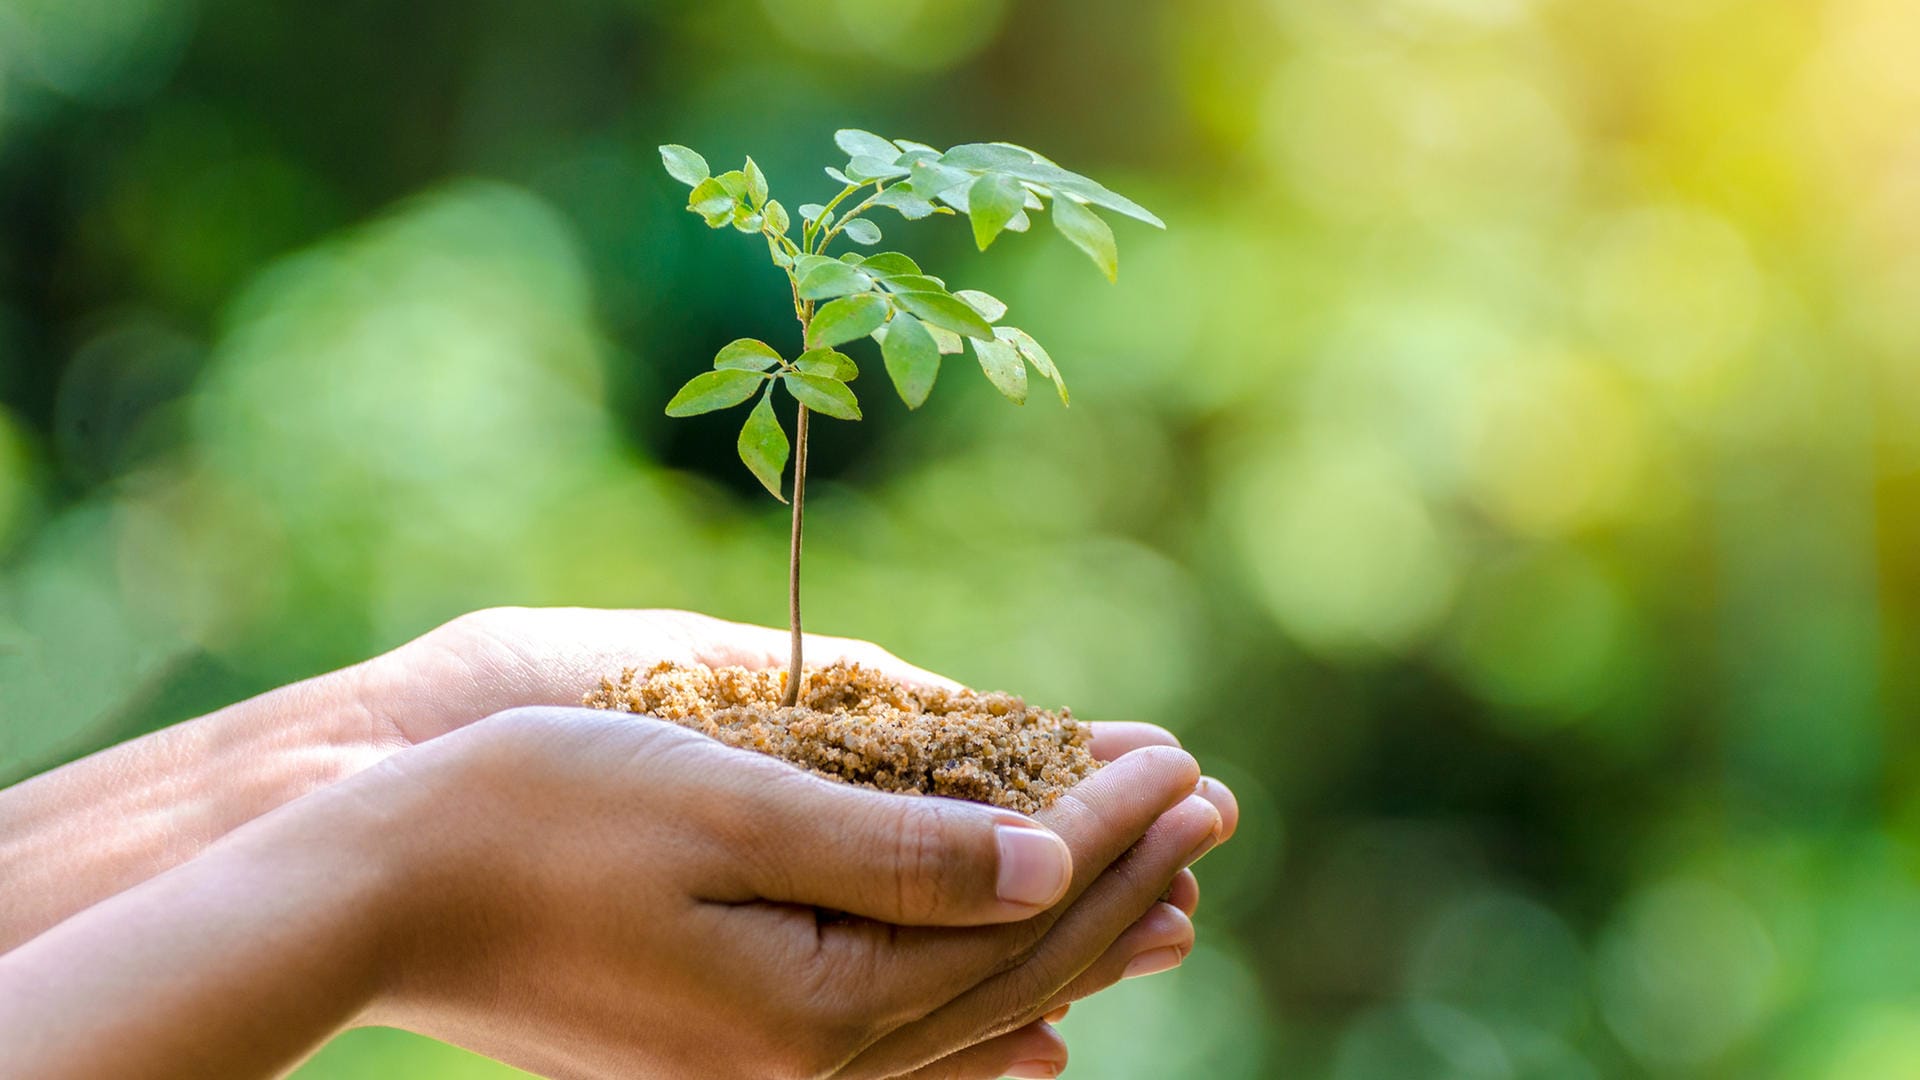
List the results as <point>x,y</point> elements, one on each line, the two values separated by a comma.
<point>81,833</point>
<point>593,894</point>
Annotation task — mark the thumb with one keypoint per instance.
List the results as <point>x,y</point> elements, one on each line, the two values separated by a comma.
<point>906,860</point>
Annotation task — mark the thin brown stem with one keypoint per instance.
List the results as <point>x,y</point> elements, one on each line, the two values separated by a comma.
<point>792,697</point>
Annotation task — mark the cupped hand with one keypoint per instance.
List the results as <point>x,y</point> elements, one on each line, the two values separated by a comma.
<point>606,895</point>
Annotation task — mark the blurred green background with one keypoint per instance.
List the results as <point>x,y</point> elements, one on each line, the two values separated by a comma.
<point>1505,472</point>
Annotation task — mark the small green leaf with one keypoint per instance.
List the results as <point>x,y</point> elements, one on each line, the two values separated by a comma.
<point>745,354</point>
<point>831,278</point>
<point>745,219</point>
<point>811,211</point>
<point>805,264</point>
<point>1088,233</point>
<point>763,445</point>
<point>907,203</point>
<point>836,174</point>
<point>941,309</point>
<point>856,143</point>
<point>889,263</point>
<point>847,319</point>
<point>1004,368</point>
<point>1026,165</point>
<point>828,364</point>
<point>989,307</point>
<point>1037,356</point>
<point>711,201</point>
<point>735,183</point>
<point>712,390</point>
<point>756,184</point>
<point>912,358</point>
<point>992,202</point>
<point>823,395</point>
<point>915,283</point>
<point>950,343</point>
<point>862,231</point>
<point>684,165</point>
<point>777,217</point>
<point>866,169</point>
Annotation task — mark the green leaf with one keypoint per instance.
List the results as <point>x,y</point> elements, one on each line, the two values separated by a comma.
<point>865,169</point>
<point>828,364</point>
<point>745,219</point>
<point>846,319</point>
<point>823,395</point>
<point>1037,356</point>
<point>836,174</point>
<point>889,263</point>
<point>1088,233</point>
<point>856,143</point>
<point>1025,165</point>
<point>915,283</point>
<point>745,354</point>
<point>712,390</point>
<point>830,278</point>
<point>756,184</point>
<point>862,231</point>
<point>992,201</point>
<point>989,307</point>
<point>811,211</point>
<point>684,165</point>
<point>735,183</point>
<point>1004,368</point>
<point>711,201</point>
<point>777,217</point>
<point>932,179</point>
<point>912,358</point>
<point>906,202</point>
<point>941,309</point>
<point>950,343</point>
<point>763,445</point>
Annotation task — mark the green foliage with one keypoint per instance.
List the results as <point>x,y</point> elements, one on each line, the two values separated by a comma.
<point>913,315</point>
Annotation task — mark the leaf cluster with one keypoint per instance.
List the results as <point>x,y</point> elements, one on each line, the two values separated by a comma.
<point>913,316</point>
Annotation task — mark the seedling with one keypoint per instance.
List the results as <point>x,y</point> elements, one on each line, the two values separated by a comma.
<point>886,296</point>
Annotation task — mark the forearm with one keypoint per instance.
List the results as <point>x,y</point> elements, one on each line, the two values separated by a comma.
<point>77,835</point>
<point>236,964</point>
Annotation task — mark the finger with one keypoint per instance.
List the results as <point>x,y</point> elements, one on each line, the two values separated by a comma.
<point>902,861</point>
<point>1098,818</point>
<point>1058,1014</point>
<point>1222,798</point>
<point>1118,899</point>
<point>1112,738</point>
<point>1158,942</point>
<point>1035,1051</point>
<point>1184,893</point>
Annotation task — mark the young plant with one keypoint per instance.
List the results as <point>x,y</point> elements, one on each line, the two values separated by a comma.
<point>913,316</point>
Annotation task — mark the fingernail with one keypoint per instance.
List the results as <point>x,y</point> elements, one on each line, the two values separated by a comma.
<point>1035,866</point>
<point>1035,1070</point>
<point>1152,962</point>
<point>1057,1015</point>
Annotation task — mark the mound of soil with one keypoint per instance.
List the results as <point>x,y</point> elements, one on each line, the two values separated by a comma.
<point>859,726</point>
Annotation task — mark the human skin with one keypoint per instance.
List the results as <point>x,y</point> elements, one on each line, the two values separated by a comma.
<point>411,886</point>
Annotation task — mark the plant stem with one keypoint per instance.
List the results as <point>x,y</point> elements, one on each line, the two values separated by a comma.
<point>793,558</point>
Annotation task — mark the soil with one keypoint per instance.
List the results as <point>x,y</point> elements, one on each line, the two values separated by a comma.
<point>856,725</point>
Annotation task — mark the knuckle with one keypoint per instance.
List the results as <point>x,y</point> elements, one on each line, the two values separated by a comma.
<point>923,872</point>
